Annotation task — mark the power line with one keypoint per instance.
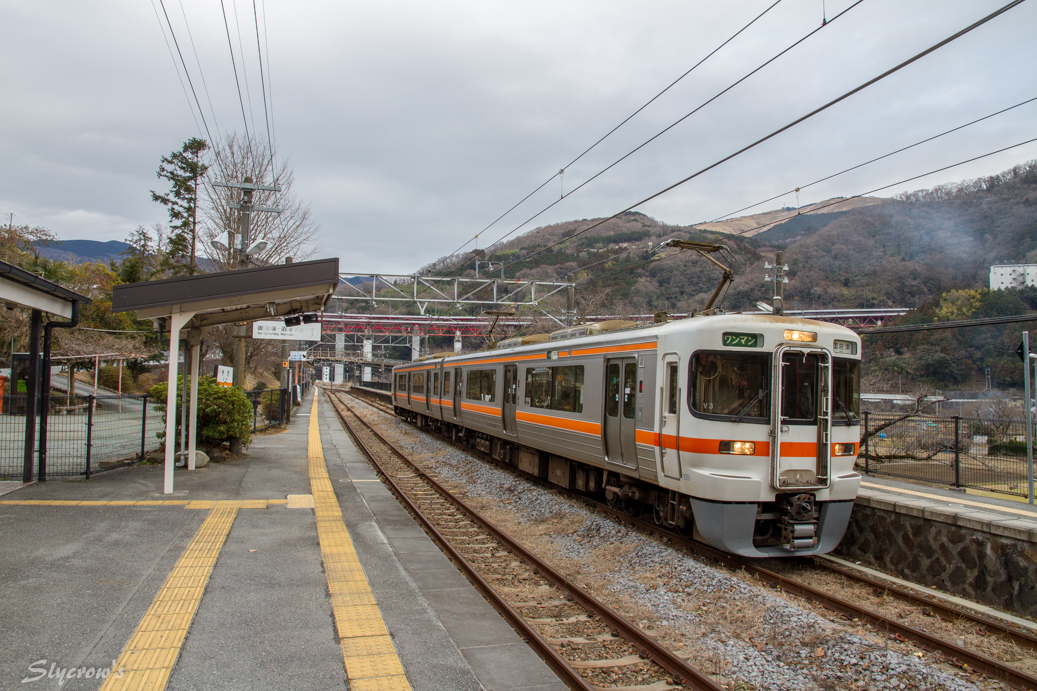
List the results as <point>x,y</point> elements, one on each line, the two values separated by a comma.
<point>790,125</point>
<point>262,82</point>
<point>269,78</point>
<point>877,158</point>
<point>677,122</point>
<point>187,74</point>
<point>244,63</point>
<point>623,122</point>
<point>201,73</point>
<point>241,100</point>
<point>175,66</point>
<point>960,324</point>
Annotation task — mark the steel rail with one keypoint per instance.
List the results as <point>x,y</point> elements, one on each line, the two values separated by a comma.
<point>682,672</point>
<point>958,655</point>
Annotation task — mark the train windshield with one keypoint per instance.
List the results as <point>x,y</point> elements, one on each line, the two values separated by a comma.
<point>730,385</point>
<point>846,392</point>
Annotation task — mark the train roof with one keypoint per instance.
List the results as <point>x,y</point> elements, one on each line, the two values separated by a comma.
<point>649,331</point>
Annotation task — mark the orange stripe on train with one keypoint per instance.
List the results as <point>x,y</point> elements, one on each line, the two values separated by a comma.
<point>582,426</point>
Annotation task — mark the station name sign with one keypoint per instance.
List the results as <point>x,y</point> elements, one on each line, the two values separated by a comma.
<point>278,331</point>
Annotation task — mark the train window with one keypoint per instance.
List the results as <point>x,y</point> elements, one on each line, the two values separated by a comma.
<point>846,392</point>
<point>482,385</point>
<point>435,383</point>
<point>446,383</point>
<point>629,390</point>
<point>417,382</point>
<point>799,388</point>
<point>674,385</point>
<point>612,394</point>
<point>730,384</point>
<point>555,388</point>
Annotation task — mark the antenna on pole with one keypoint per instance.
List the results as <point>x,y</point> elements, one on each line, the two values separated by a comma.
<point>779,279</point>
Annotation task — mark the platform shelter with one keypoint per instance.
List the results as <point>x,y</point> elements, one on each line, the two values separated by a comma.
<point>188,307</point>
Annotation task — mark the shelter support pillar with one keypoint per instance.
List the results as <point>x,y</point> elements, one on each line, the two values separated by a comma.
<point>31,391</point>
<point>194,341</point>
<point>415,345</point>
<point>176,322</point>
<point>457,341</point>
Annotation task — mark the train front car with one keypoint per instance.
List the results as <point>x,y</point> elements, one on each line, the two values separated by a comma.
<point>760,427</point>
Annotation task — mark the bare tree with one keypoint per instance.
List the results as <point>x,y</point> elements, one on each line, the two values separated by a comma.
<point>290,233</point>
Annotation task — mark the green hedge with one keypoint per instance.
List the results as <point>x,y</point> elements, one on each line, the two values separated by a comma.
<point>224,412</point>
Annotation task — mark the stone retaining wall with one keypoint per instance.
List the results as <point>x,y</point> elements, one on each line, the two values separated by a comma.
<point>979,555</point>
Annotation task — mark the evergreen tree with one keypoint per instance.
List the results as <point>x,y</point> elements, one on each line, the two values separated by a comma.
<point>182,169</point>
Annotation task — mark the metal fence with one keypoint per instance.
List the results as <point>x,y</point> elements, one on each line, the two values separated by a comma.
<point>978,453</point>
<point>85,434</point>
<point>89,434</point>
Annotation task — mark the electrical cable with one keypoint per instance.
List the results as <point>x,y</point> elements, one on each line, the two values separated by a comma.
<point>623,122</point>
<point>674,124</point>
<point>201,73</point>
<point>241,100</point>
<point>244,64</point>
<point>262,82</point>
<point>176,67</point>
<point>201,113</point>
<point>878,158</point>
<point>790,125</point>
<point>269,79</point>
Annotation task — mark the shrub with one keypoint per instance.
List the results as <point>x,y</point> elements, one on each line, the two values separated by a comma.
<point>224,412</point>
<point>108,378</point>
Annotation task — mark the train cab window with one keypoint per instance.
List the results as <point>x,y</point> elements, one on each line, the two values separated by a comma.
<point>482,385</point>
<point>629,390</point>
<point>417,382</point>
<point>435,383</point>
<point>846,392</point>
<point>730,385</point>
<point>799,375</point>
<point>673,388</point>
<point>612,390</point>
<point>446,384</point>
<point>555,388</point>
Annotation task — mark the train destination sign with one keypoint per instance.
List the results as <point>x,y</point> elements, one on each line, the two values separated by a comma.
<point>742,340</point>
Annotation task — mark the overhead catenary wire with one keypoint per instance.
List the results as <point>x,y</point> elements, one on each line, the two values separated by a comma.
<point>586,151</point>
<point>824,206</point>
<point>244,64</point>
<point>873,160</point>
<point>675,123</point>
<point>788,126</point>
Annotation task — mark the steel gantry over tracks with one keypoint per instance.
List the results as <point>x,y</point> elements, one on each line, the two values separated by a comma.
<point>456,292</point>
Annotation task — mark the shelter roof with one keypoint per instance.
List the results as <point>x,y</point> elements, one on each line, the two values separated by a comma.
<point>233,296</point>
<point>26,289</point>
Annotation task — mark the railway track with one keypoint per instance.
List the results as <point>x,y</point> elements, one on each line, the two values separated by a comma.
<point>585,642</point>
<point>954,653</point>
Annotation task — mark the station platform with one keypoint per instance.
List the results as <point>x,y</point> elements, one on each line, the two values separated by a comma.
<point>292,567</point>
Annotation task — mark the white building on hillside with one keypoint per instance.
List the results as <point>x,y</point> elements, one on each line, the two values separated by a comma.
<point>1012,276</point>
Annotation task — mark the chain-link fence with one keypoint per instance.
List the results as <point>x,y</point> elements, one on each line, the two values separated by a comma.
<point>978,453</point>
<point>85,434</point>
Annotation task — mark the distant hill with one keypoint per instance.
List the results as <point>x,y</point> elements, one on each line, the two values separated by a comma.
<point>755,224</point>
<point>78,251</point>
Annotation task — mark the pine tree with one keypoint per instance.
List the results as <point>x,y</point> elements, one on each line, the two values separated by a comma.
<point>182,169</point>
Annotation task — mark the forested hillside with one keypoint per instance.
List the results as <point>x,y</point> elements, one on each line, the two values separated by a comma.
<point>914,250</point>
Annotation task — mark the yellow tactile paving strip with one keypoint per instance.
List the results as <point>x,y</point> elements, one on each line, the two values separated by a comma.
<point>148,658</point>
<point>940,498</point>
<point>367,650</point>
<point>187,504</point>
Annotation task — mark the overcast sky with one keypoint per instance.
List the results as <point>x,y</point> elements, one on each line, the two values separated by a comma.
<point>412,125</point>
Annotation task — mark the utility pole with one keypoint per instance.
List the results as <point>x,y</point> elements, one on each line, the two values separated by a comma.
<point>285,351</point>
<point>245,250</point>
<point>779,280</point>
<point>570,300</point>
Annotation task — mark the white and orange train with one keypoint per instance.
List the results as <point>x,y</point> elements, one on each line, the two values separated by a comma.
<point>742,429</point>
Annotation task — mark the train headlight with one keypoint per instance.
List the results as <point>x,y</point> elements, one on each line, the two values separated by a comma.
<point>739,448</point>
<point>844,449</point>
<point>802,336</point>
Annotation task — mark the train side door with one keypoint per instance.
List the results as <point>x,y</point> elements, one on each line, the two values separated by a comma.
<point>428,391</point>
<point>802,428</point>
<point>669,417</point>
<point>458,383</point>
<point>620,410</point>
<point>510,397</point>
<point>448,393</point>
<point>435,391</point>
